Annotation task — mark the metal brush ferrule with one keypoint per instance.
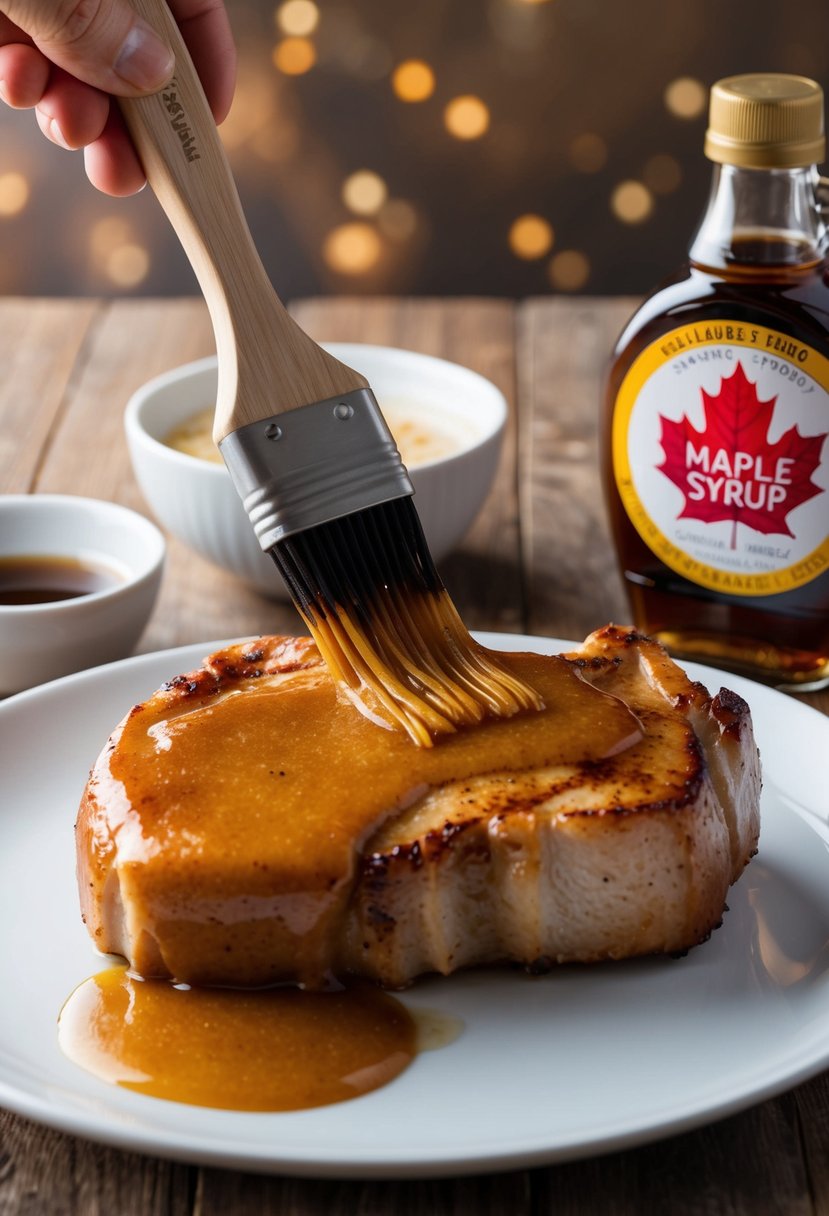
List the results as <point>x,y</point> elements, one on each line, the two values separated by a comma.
<point>313,464</point>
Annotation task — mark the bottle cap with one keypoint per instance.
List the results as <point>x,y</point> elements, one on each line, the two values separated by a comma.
<point>766,121</point>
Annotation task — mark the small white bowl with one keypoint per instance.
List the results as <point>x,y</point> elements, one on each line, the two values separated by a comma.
<point>195,499</point>
<point>40,642</point>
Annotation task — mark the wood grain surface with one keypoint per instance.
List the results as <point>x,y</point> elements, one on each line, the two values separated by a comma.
<point>537,560</point>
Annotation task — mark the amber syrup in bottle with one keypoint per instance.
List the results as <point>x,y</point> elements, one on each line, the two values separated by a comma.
<point>716,428</point>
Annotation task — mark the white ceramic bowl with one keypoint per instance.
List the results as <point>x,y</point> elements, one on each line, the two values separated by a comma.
<point>40,642</point>
<point>197,502</point>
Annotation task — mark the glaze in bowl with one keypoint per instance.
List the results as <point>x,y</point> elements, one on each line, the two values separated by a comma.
<point>195,500</point>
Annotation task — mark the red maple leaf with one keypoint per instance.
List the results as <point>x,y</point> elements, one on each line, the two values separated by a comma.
<point>730,471</point>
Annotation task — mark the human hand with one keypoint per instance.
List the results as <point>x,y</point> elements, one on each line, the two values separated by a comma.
<point>67,58</point>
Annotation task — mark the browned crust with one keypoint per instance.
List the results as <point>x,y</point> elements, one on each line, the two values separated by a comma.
<point>464,839</point>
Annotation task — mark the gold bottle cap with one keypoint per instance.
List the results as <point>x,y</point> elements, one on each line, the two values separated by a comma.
<point>766,121</point>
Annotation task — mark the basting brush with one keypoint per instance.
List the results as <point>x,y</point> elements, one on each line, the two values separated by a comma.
<point>310,453</point>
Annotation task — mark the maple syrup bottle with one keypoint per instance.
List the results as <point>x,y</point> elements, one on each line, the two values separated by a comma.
<point>716,457</point>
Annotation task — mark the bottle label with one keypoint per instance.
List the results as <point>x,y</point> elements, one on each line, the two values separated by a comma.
<point>721,457</point>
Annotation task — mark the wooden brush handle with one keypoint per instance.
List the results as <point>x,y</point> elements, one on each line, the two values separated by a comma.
<point>266,363</point>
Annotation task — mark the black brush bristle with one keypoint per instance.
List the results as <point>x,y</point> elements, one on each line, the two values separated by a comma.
<point>346,562</point>
<point>367,588</point>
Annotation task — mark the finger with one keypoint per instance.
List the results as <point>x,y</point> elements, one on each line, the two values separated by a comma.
<point>78,111</point>
<point>205,28</point>
<point>50,129</point>
<point>111,162</point>
<point>9,32</point>
<point>24,75</point>
<point>102,42</point>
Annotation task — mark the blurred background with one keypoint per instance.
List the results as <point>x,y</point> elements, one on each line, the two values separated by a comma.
<point>446,147</point>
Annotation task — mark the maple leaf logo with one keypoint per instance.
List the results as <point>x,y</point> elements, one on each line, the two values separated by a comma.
<point>730,471</point>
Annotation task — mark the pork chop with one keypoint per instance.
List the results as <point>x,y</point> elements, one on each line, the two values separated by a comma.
<point>200,857</point>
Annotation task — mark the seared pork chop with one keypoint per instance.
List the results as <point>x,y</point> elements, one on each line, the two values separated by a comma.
<point>196,862</point>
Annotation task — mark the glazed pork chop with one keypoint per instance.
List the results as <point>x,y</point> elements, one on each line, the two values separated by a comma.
<point>247,826</point>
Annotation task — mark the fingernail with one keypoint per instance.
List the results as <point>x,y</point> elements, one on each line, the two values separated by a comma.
<point>4,93</point>
<point>57,136</point>
<point>144,62</point>
<point>51,129</point>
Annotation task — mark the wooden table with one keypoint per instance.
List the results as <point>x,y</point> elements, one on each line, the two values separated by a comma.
<point>537,561</point>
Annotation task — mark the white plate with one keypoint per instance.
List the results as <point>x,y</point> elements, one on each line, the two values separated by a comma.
<point>549,1068</point>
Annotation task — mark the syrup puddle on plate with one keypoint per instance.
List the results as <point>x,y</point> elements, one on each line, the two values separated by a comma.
<point>270,1049</point>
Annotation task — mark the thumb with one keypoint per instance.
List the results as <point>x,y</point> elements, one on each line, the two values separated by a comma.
<point>102,42</point>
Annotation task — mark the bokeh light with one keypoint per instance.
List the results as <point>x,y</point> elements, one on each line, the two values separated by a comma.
<point>531,237</point>
<point>631,202</point>
<point>106,235</point>
<point>569,270</point>
<point>662,173</point>
<point>685,97</point>
<point>298,18</point>
<point>127,266</point>
<point>294,56</point>
<point>588,152</point>
<point>253,108</point>
<point>116,253</point>
<point>397,219</point>
<point>367,58</point>
<point>466,117</point>
<point>276,142</point>
<point>352,248</point>
<point>14,194</point>
<point>341,144</point>
<point>364,192</point>
<point>413,80</point>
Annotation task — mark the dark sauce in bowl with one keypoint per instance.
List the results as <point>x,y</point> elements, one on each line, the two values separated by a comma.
<point>45,579</point>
